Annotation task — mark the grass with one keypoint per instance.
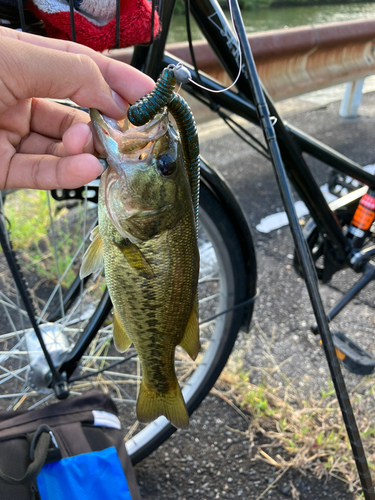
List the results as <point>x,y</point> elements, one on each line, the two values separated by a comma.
<point>27,212</point>
<point>31,233</point>
<point>310,430</point>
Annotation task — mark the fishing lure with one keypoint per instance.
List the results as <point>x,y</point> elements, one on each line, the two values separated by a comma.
<point>153,103</point>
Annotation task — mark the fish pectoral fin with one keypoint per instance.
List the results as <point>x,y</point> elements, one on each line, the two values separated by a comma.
<point>94,233</point>
<point>190,340</point>
<point>120,337</point>
<point>152,404</point>
<point>136,259</point>
<point>93,259</point>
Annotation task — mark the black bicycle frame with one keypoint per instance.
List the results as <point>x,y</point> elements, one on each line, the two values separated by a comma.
<point>292,142</point>
<point>151,59</point>
<point>286,146</point>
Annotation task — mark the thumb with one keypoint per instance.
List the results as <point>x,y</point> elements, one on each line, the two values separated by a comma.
<point>31,71</point>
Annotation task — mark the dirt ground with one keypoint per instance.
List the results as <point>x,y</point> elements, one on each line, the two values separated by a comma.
<point>212,459</point>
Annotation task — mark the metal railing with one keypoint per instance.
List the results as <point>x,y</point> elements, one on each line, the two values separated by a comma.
<point>294,61</point>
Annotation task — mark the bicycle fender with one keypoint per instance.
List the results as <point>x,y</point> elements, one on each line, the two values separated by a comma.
<point>220,188</point>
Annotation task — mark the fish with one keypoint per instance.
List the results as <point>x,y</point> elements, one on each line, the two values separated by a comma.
<point>147,239</point>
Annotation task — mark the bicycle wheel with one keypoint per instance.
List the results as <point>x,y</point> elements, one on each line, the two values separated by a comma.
<point>51,268</point>
<point>48,238</point>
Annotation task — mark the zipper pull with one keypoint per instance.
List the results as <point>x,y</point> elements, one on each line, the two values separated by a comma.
<point>34,491</point>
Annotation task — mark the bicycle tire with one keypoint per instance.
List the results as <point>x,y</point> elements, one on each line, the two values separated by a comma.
<point>220,240</point>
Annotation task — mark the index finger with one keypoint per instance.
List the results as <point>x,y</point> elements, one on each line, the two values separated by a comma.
<point>127,81</point>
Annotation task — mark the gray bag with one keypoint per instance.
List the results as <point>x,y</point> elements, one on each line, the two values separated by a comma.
<point>29,439</point>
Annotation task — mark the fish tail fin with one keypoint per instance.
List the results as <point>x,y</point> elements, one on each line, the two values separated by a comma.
<point>152,404</point>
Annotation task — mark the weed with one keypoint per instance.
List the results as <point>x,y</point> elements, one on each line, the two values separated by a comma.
<point>311,430</point>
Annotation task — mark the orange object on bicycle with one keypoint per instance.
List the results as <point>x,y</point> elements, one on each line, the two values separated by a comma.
<point>362,220</point>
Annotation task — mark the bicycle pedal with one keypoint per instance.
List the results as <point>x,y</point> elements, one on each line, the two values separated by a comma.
<point>352,356</point>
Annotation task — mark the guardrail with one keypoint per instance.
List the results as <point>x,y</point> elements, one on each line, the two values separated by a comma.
<point>295,61</point>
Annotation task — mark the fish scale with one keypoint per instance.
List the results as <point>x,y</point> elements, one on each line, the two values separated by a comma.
<point>152,344</point>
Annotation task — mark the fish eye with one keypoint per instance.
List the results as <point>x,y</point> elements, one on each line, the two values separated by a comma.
<point>166,165</point>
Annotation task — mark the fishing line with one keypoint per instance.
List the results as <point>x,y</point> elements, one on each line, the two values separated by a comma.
<point>82,377</point>
<point>262,150</point>
<point>72,25</point>
<point>88,375</point>
<point>242,304</point>
<point>21,15</point>
<point>117,43</point>
<point>159,8</point>
<point>190,40</point>
<point>153,6</point>
<point>235,34</point>
<point>213,105</point>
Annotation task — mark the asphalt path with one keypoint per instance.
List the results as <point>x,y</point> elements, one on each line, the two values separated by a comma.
<point>283,313</point>
<point>280,332</point>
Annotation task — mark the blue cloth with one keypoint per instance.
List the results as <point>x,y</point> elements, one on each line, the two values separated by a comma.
<point>90,476</point>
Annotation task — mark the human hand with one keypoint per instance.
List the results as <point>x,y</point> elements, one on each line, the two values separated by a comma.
<point>45,145</point>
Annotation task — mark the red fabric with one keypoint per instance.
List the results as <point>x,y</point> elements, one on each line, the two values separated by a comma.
<point>135,26</point>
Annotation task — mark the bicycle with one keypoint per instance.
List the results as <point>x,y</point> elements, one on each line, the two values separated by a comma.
<point>68,309</point>
<point>226,229</point>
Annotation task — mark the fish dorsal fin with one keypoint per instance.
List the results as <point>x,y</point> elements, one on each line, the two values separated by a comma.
<point>135,259</point>
<point>120,337</point>
<point>190,340</point>
<point>93,259</point>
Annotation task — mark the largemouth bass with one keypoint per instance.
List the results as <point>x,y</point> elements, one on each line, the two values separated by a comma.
<point>147,239</point>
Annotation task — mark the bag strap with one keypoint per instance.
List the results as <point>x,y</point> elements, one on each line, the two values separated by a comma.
<point>38,454</point>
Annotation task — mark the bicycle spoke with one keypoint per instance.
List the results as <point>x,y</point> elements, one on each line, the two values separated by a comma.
<point>55,253</point>
<point>8,303</point>
<point>211,297</point>
<point>13,326</point>
<point>18,301</point>
<point>60,279</point>
<point>42,401</point>
<point>83,241</point>
<point>10,374</point>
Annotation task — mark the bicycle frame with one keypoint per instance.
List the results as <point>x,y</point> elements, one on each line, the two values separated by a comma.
<point>292,142</point>
<point>286,146</point>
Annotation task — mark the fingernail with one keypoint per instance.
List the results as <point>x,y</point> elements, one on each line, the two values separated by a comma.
<point>121,103</point>
<point>102,164</point>
<point>90,138</point>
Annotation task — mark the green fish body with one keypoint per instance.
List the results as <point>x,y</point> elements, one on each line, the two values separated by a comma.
<point>147,239</point>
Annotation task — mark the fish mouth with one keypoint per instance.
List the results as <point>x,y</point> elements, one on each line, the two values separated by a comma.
<point>131,139</point>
